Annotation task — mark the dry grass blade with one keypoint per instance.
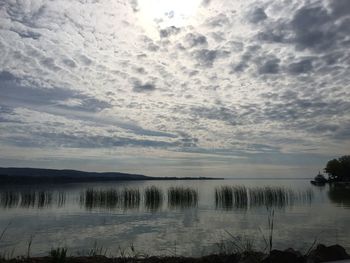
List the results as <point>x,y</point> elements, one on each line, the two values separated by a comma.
<point>4,230</point>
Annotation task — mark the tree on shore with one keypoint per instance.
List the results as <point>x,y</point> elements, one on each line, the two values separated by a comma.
<point>339,169</point>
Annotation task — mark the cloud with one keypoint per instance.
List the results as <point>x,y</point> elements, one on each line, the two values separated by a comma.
<point>340,8</point>
<point>206,57</point>
<point>16,93</point>
<point>146,87</point>
<point>29,34</point>
<point>270,66</point>
<point>217,21</point>
<point>248,79</point>
<point>300,67</point>
<point>134,5</point>
<point>6,76</point>
<point>220,113</point>
<point>206,3</point>
<point>169,31</point>
<point>194,40</point>
<point>256,15</point>
<point>312,27</point>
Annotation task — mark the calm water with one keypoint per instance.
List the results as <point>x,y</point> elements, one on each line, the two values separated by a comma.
<point>176,217</point>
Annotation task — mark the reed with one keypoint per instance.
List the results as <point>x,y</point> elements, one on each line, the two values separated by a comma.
<point>61,199</point>
<point>227,197</point>
<point>131,198</point>
<point>100,198</point>
<point>30,199</point>
<point>240,194</point>
<point>9,199</point>
<point>270,196</point>
<point>182,197</point>
<point>43,199</point>
<point>224,197</point>
<point>153,198</point>
<point>128,198</point>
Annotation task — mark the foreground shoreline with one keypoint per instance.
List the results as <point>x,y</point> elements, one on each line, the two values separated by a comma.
<point>320,253</point>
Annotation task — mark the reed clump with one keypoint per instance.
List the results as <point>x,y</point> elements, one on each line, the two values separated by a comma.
<point>241,197</point>
<point>182,197</point>
<point>131,198</point>
<point>9,199</point>
<point>100,198</point>
<point>126,198</point>
<point>153,197</point>
<point>224,197</point>
<point>228,197</point>
<point>271,196</point>
<point>26,199</point>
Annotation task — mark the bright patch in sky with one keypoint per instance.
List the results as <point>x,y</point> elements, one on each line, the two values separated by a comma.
<point>167,12</point>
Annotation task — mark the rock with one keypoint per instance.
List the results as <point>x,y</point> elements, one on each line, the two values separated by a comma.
<point>295,252</point>
<point>251,257</point>
<point>288,256</point>
<point>323,253</point>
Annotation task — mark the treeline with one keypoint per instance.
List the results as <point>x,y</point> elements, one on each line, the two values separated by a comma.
<point>338,170</point>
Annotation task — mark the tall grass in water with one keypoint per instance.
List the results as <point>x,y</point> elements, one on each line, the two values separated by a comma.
<point>131,198</point>
<point>240,195</point>
<point>26,199</point>
<point>224,197</point>
<point>182,197</point>
<point>43,199</point>
<point>127,198</point>
<point>100,199</point>
<point>9,199</point>
<point>153,198</point>
<point>227,197</point>
<point>271,196</point>
<point>61,199</point>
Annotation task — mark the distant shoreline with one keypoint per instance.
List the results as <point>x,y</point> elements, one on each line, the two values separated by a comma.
<point>14,175</point>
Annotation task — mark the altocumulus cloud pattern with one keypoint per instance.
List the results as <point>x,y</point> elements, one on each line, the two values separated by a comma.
<point>264,83</point>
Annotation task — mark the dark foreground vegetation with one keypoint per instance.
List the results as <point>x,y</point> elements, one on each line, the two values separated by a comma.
<point>53,176</point>
<point>321,253</point>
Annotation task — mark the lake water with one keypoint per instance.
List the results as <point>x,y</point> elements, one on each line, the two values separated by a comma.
<point>189,218</point>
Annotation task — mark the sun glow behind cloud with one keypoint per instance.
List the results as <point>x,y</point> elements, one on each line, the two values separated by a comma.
<point>165,13</point>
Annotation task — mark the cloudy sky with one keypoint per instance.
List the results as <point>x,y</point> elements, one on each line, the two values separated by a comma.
<point>236,88</point>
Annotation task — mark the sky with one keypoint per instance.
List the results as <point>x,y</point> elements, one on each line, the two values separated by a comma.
<point>249,88</point>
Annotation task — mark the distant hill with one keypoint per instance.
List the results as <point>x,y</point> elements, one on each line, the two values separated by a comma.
<point>37,175</point>
<point>52,176</point>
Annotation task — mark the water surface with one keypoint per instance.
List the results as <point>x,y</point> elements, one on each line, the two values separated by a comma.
<point>189,218</point>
